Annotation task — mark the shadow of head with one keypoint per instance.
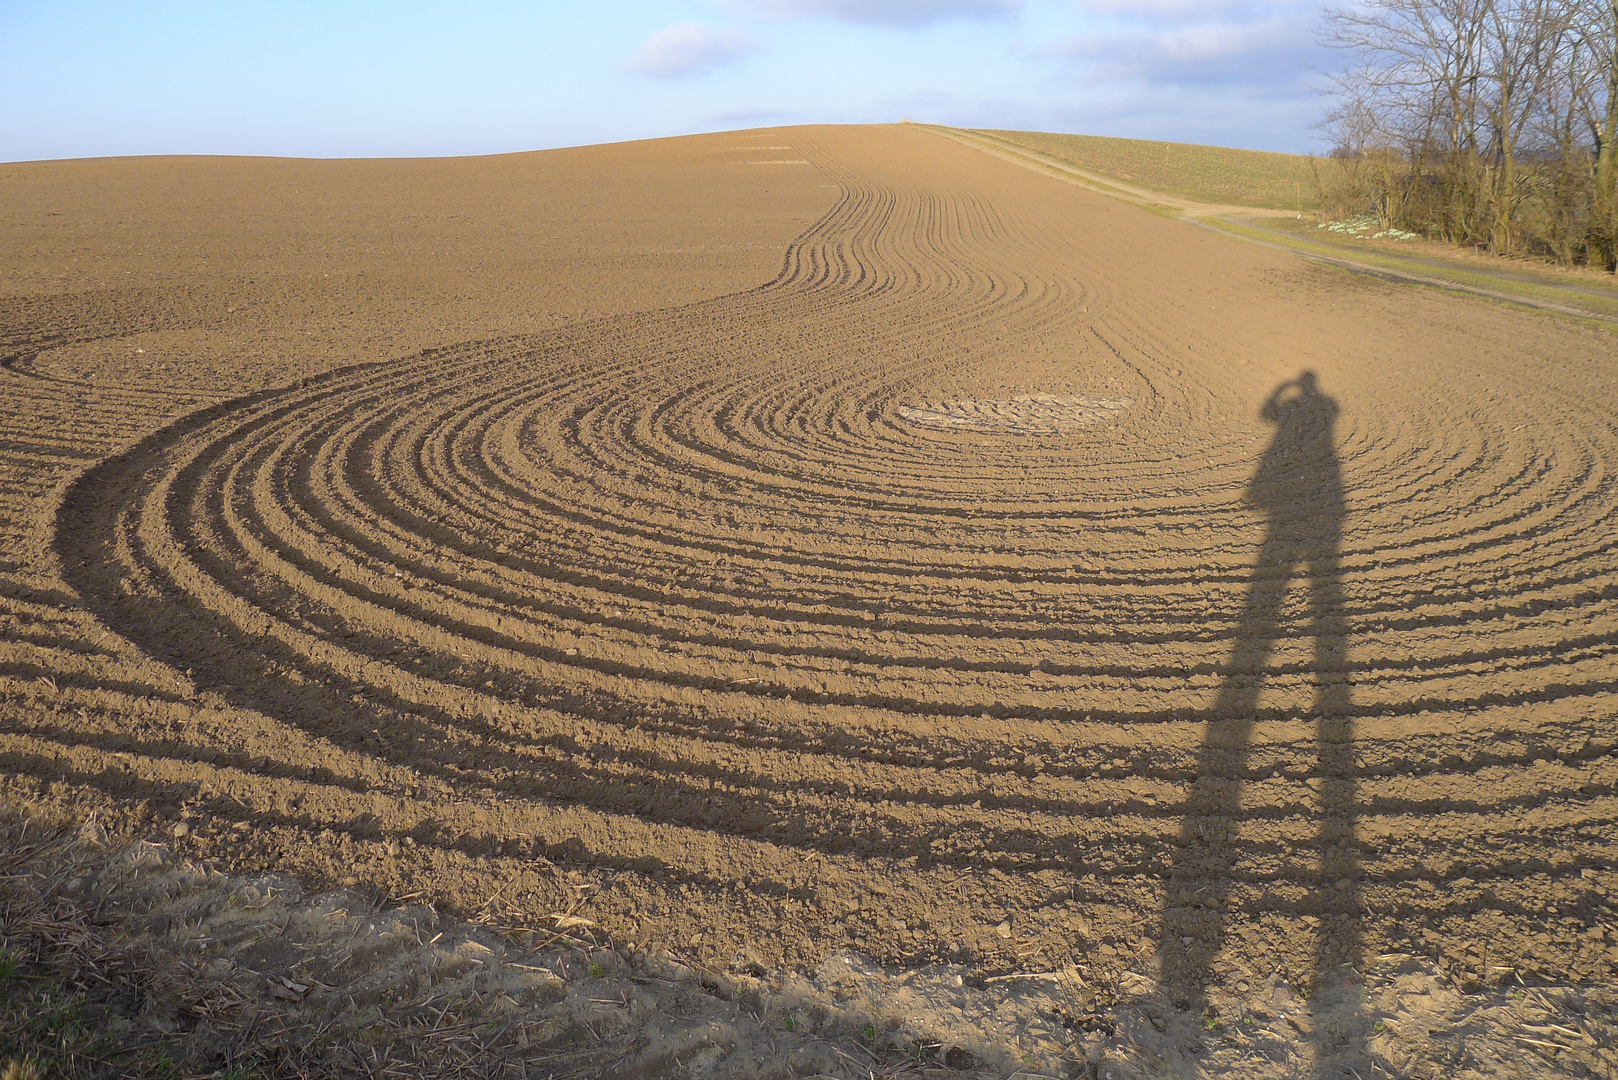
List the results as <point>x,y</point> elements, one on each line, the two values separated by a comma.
<point>1299,476</point>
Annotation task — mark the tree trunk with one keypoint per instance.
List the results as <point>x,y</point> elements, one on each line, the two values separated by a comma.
<point>1504,201</point>
<point>1604,212</point>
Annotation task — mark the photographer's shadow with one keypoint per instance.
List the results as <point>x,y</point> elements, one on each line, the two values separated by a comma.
<point>1298,486</point>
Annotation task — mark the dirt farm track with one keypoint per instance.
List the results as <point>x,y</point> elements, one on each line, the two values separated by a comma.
<point>819,539</point>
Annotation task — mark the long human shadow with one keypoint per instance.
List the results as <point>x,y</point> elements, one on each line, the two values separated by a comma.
<point>1299,487</point>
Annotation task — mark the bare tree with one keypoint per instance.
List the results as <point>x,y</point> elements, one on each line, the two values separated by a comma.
<point>1419,65</point>
<point>1490,122</point>
<point>1522,44</point>
<point>1596,25</point>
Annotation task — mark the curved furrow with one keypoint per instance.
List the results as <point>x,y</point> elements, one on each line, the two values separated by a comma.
<point>949,544</point>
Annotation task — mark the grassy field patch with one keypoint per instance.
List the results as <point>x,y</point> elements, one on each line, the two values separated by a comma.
<point>1206,173</point>
<point>1511,281</point>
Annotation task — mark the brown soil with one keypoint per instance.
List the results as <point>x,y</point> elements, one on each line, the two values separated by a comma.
<point>428,517</point>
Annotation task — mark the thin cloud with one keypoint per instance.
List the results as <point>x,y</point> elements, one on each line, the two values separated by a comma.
<point>1155,10</point>
<point>908,14</point>
<point>688,49</point>
<point>1266,51</point>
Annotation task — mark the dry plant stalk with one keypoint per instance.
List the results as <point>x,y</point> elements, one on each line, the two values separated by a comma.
<point>82,996</point>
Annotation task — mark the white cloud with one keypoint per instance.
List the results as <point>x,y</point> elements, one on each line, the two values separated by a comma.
<point>904,13</point>
<point>1268,50</point>
<point>1152,10</point>
<point>1197,41</point>
<point>687,49</point>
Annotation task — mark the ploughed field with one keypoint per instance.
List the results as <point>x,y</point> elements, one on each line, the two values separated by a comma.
<point>814,539</point>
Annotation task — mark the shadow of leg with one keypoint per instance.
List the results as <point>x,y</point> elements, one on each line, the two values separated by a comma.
<point>1199,882</point>
<point>1338,963</point>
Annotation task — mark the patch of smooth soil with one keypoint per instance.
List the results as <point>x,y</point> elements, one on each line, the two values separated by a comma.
<point>564,506</point>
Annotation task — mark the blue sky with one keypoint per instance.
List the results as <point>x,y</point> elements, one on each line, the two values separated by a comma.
<point>409,78</point>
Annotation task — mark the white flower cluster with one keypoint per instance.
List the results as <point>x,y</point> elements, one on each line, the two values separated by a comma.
<point>1360,226</point>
